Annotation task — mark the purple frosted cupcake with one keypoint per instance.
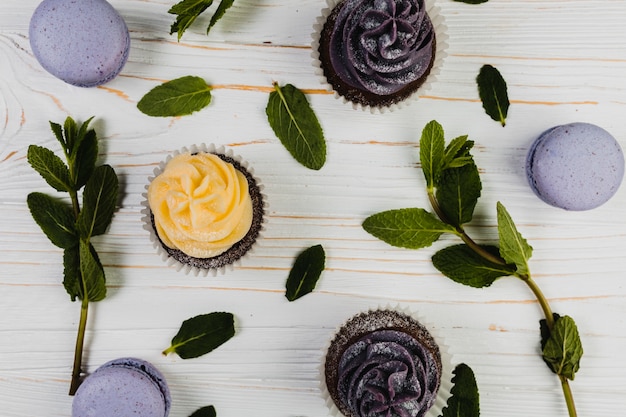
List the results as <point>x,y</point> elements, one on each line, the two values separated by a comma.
<point>384,363</point>
<point>378,53</point>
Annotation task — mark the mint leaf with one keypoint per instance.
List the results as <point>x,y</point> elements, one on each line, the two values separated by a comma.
<point>472,1</point>
<point>99,200</point>
<point>71,272</point>
<point>464,401</point>
<point>92,273</point>
<point>50,167</point>
<point>514,248</point>
<point>187,11</point>
<point>463,265</point>
<point>85,155</point>
<point>202,334</point>
<point>457,153</point>
<point>208,411</point>
<point>179,97</point>
<point>458,192</point>
<point>69,129</point>
<point>411,228</point>
<point>563,349</point>
<point>295,124</point>
<point>493,93</point>
<point>219,13</point>
<point>305,272</point>
<point>432,144</point>
<point>55,219</point>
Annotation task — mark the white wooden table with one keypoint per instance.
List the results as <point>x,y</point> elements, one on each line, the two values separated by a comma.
<point>564,61</point>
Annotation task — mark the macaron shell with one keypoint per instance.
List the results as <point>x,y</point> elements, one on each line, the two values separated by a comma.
<point>577,166</point>
<point>123,388</point>
<point>82,42</point>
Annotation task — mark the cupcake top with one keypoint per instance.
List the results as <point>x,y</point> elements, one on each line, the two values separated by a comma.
<point>201,205</point>
<point>204,209</point>
<point>383,363</point>
<point>377,52</point>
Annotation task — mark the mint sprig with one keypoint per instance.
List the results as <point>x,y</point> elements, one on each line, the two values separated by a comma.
<point>453,187</point>
<point>69,226</point>
<point>187,11</point>
<point>208,411</point>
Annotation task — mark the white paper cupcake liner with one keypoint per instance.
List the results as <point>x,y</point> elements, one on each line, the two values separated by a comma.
<point>441,47</point>
<point>443,394</point>
<point>156,242</point>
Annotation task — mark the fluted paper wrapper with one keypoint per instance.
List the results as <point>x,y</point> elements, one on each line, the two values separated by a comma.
<point>186,267</point>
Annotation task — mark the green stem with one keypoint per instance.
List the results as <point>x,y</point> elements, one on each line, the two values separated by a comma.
<point>543,302</point>
<point>569,398</point>
<point>78,351</point>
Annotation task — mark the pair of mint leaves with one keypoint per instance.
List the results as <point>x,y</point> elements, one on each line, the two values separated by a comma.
<point>187,11</point>
<point>288,112</point>
<point>453,188</point>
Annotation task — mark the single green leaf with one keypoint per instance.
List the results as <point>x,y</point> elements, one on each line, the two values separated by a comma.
<point>514,248</point>
<point>55,218</point>
<point>544,329</point>
<point>458,192</point>
<point>57,129</point>
<point>69,131</point>
<point>201,334</point>
<point>411,228</point>
<point>92,273</point>
<point>99,200</point>
<point>305,272</point>
<point>187,11</point>
<point>463,265</point>
<point>464,401</point>
<point>493,93</point>
<point>432,150</point>
<point>219,13</point>
<point>295,124</point>
<point>50,167</point>
<point>563,350</point>
<point>208,411</point>
<point>71,272</point>
<point>85,159</point>
<point>472,1</point>
<point>179,97</point>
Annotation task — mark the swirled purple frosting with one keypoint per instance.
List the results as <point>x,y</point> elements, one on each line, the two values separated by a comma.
<point>388,373</point>
<point>382,45</point>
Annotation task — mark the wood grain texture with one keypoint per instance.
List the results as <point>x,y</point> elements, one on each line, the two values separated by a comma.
<point>564,61</point>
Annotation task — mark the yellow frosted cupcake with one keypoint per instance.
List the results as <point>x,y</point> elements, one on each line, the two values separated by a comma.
<point>204,209</point>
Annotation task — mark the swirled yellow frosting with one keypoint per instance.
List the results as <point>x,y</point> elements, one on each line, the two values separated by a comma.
<point>201,205</point>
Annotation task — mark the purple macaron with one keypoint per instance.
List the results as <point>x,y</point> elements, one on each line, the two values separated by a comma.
<point>576,166</point>
<point>123,387</point>
<point>82,42</point>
